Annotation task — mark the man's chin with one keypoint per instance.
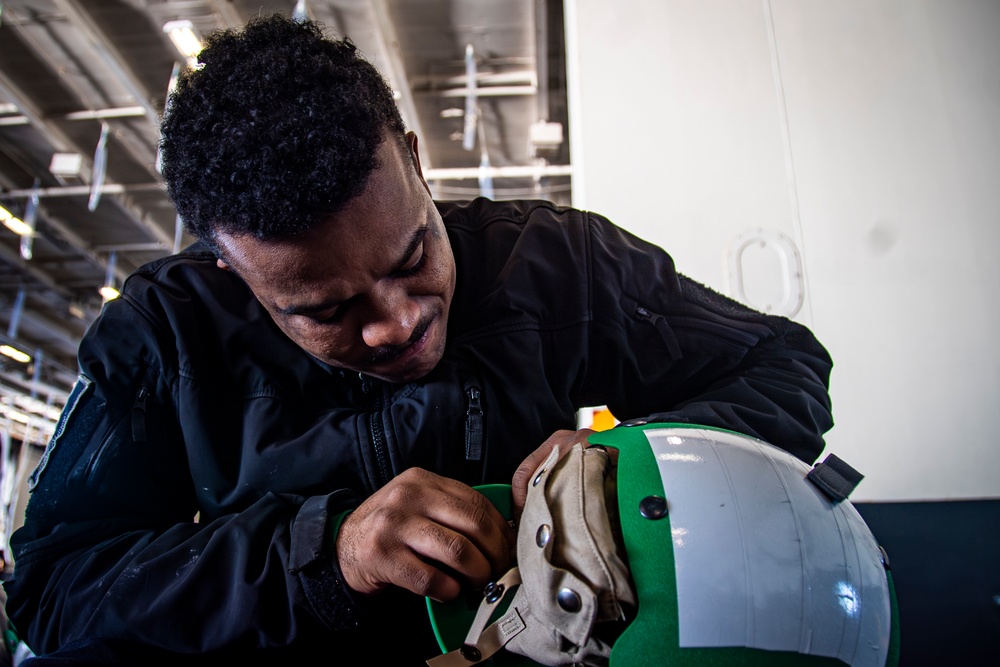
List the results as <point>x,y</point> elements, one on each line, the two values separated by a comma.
<point>408,372</point>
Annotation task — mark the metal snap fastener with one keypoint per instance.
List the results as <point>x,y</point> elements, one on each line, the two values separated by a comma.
<point>542,535</point>
<point>653,507</point>
<point>569,600</point>
<point>493,592</point>
<point>538,477</point>
<point>471,653</point>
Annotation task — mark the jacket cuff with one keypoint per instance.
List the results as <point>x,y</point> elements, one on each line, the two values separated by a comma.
<point>313,560</point>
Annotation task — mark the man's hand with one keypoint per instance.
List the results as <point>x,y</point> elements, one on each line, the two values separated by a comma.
<point>564,441</point>
<point>427,534</point>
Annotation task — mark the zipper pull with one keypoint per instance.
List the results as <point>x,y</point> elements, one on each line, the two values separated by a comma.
<point>366,383</point>
<point>660,323</point>
<point>473,425</point>
<point>139,416</point>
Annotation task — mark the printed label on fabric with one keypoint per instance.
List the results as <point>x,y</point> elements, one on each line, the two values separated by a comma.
<point>510,625</point>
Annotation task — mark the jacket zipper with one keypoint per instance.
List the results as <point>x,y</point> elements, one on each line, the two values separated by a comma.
<point>660,324</point>
<point>475,435</point>
<point>384,473</point>
<point>473,425</point>
<point>112,441</point>
<point>139,415</point>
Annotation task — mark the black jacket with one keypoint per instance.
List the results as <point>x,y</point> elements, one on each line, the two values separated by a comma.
<point>190,495</point>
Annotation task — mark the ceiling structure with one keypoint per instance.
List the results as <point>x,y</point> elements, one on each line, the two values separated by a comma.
<point>82,87</point>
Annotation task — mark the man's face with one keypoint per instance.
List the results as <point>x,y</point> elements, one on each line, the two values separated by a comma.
<point>368,289</point>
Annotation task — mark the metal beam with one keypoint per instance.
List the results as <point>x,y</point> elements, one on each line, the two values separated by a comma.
<point>105,49</point>
<point>62,143</point>
<point>74,240</point>
<point>13,258</point>
<point>59,140</point>
<point>392,67</point>
<point>229,14</point>
<point>68,338</point>
<point>61,334</point>
<point>142,219</point>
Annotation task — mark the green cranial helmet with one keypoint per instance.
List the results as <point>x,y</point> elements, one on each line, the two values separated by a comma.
<point>700,547</point>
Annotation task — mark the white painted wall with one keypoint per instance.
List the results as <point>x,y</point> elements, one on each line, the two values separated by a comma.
<point>866,132</point>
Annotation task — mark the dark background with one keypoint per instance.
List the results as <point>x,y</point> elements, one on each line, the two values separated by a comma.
<point>945,563</point>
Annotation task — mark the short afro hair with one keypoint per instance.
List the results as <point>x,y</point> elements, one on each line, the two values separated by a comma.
<point>275,130</point>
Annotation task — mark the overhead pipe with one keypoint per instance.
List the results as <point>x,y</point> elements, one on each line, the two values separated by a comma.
<point>542,57</point>
<point>516,171</point>
<point>491,91</point>
<point>100,169</point>
<point>84,190</point>
<point>129,247</point>
<point>30,219</point>
<point>15,313</point>
<point>101,114</point>
<point>446,82</point>
<point>87,114</point>
<point>471,102</point>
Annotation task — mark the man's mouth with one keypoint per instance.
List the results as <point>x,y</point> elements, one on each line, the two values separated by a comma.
<point>387,354</point>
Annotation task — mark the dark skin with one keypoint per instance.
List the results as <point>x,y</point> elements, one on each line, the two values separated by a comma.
<point>369,290</point>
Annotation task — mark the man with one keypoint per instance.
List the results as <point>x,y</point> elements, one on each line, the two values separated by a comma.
<point>271,449</point>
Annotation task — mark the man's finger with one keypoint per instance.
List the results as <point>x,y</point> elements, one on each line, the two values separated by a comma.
<point>564,441</point>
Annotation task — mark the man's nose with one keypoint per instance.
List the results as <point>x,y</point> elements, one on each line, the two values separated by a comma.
<point>391,319</point>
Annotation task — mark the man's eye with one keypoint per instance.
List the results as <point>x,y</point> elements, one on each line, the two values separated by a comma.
<point>320,318</point>
<point>414,264</point>
<point>328,318</point>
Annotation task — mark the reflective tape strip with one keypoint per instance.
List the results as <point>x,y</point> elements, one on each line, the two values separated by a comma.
<point>763,558</point>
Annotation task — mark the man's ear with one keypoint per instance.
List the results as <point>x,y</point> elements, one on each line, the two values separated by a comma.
<point>221,263</point>
<point>411,142</point>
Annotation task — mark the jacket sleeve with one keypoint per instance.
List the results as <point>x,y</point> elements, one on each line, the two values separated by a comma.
<point>687,354</point>
<point>112,546</point>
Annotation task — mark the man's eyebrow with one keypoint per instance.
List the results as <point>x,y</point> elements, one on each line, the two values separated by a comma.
<point>316,308</point>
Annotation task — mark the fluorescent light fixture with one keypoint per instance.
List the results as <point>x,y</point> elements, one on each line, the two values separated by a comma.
<point>301,12</point>
<point>15,225</point>
<point>14,415</point>
<point>184,37</point>
<point>15,354</point>
<point>66,164</point>
<point>109,292</point>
